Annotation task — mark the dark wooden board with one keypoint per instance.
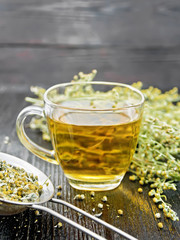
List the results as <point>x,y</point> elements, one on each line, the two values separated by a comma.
<point>139,209</point>
<point>47,42</point>
<point>125,23</point>
<point>22,67</point>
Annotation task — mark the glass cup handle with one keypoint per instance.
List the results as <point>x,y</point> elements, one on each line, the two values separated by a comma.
<point>45,154</point>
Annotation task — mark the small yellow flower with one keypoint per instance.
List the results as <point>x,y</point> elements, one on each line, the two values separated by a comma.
<point>120,212</point>
<point>100,205</point>
<point>160,225</point>
<point>58,194</point>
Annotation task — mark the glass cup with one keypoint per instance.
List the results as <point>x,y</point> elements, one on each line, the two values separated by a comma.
<point>94,127</point>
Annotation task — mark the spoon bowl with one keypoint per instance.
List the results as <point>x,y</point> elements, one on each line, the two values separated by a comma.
<point>8,207</point>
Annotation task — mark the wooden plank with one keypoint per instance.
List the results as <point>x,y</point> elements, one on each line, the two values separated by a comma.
<point>134,23</point>
<point>22,67</point>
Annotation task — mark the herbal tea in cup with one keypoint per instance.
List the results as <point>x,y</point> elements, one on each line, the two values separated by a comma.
<point>94,128</point>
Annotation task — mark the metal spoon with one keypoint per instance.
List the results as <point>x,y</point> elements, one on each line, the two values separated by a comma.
<point>11,207</point>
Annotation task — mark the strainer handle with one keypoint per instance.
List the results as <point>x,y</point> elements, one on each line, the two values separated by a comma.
<point>117,230</point>
<point>36,149</point>
<point>67,220</point>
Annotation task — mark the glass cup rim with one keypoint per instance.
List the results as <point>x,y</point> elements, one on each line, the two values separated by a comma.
<point>55,105</point>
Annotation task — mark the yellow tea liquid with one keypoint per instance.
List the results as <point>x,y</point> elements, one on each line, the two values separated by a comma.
<point>94,147</point>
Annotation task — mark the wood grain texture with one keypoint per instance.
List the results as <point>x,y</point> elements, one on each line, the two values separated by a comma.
<point>48,42</point>
<point>22,67</point>
<point>118,22</point>
<point>139,210</point>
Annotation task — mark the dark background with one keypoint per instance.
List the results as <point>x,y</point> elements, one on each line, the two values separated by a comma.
<point>47,42</point>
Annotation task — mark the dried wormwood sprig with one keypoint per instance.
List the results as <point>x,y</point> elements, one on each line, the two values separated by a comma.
<point>156,160</point>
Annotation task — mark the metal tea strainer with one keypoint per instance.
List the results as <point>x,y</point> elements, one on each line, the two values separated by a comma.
<point>11,207</point>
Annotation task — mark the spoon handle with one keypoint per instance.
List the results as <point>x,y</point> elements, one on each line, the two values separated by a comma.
<point>122,233</point>
<point>67,220</point>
